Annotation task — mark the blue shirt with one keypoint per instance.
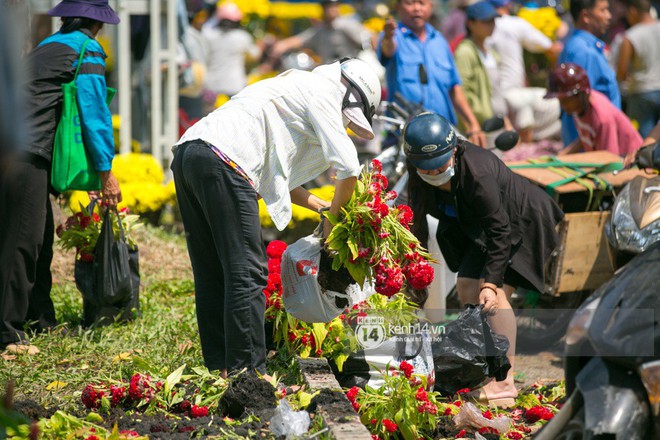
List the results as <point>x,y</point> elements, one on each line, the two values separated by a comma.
<point>404,74</point>
<point>585,50</point>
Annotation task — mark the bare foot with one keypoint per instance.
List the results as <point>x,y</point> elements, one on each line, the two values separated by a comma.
<point>500,390</point>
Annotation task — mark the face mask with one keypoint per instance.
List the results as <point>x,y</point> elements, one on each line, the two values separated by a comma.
<point>345,120</point>
<point>438,179</point>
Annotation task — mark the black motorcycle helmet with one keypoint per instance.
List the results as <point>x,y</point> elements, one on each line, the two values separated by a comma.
<point>429,141</point>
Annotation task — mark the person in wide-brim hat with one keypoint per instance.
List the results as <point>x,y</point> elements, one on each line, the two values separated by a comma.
<point>98,10</point>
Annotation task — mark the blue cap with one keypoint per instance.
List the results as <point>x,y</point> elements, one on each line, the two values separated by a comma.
<point>481,11</point>
<point>499,3</point>
<point>429,141</point>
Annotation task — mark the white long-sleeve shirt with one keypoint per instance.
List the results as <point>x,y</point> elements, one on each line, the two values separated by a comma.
<point>510,36</point>
<point>283,132</point>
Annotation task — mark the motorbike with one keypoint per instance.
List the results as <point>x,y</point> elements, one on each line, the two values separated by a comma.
<point>612,346</point>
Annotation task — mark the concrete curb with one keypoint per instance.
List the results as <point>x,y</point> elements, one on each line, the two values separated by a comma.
<point>333,405</point>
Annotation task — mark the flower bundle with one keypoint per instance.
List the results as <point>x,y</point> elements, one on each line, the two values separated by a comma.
<point>81,231</point>
<point>401,408</point>
<point>374,242</point>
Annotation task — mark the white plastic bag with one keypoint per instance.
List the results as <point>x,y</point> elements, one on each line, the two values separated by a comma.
<point>287,422</point>
<point>301,293</point>
<point>470,416</point>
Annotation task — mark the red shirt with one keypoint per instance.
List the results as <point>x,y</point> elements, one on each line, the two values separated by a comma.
<point>605,127</point>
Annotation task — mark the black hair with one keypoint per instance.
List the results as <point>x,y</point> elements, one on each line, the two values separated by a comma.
<point>71,24</point>
<point>640,5</point>
<point>225,24</point>
<point>578,6</point>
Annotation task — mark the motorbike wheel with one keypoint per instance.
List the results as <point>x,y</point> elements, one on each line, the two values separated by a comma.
<point>575,430</point>
<point>542,319</point>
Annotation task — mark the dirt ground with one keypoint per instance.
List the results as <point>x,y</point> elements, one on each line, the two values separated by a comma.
<point>544,367</point>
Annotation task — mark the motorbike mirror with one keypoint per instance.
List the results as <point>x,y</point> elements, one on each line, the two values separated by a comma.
<point>492,124</point>
<point>646,155</point>
<point>506,140</point>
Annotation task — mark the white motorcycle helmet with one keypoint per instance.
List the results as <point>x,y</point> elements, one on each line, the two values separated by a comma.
<point>363,79</point>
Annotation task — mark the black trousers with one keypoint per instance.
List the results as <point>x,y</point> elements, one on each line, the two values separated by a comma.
<point>221,218</point>
<point>26,249</point>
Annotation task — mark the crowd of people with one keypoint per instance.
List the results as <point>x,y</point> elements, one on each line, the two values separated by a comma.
<point>466,60</point>
<point>277,134</point>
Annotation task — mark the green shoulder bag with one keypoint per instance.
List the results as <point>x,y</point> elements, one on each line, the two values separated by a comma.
<point>71,165</point>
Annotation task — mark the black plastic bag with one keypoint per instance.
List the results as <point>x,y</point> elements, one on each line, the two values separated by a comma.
<point>110,284</point>
<point>467,352</point>
<point>114,283</point>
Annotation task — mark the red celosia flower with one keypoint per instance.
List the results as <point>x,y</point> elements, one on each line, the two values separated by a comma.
<point>139,387</point>
<point>513,435</point>
<point>375,437</point>
<point>381,180</point>
<point>406,368</point>
<point>431,408</point>
<point>199,411</point>
<point>274,265</point>
<point>352,393</point>
<point>91,397</point>
<point>377,166</point>
<point>391,195</point>
<point>92,437</point>
<point>463,391</point>
<point>305,339</point>
<point>388,280</point>
<point>488,430</point>
<point>487,414</point>
<point>129,433</point>
<point>461,434</point>
<point>389,425</point>
<point>382,209</point>
<point>383,235</point>
<point>374,421</point>
<point>448,412</point>
<point>457,403</point>
<point>422,394</point>
<point>356,406</point>
<point>275,249</point>
<point>96,217</point>
<point>537,413</point>
<point>185,406</point>
<point>405,215</point>
<point>419,274</point>
<point>118,394</point>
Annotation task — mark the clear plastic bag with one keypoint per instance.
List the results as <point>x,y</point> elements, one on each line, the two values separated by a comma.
<point>470,416</point>
<point>287,422</point>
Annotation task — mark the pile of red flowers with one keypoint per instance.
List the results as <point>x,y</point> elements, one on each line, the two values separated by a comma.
<point>140,390</point>
<point>373,241</point>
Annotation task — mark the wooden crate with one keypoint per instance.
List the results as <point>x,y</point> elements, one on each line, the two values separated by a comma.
<point>583,260</point>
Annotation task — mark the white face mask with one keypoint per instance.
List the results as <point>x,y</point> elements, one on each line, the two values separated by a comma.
<point>438,179</point>
<point>345,120</point>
